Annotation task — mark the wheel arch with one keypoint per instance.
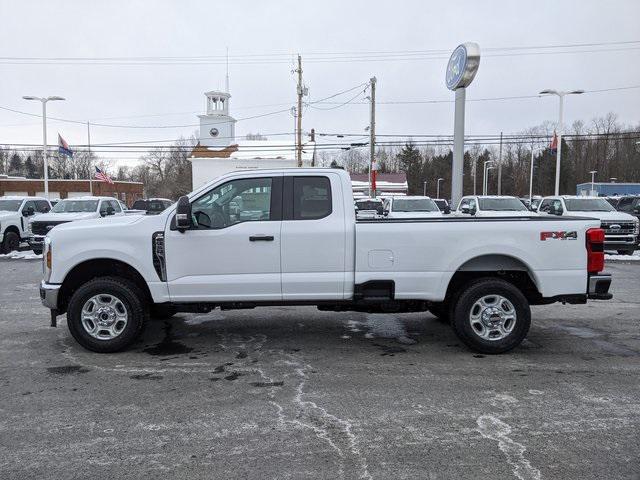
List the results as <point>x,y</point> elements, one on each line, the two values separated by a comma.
<point>507,267</point>
<point>95,268</point>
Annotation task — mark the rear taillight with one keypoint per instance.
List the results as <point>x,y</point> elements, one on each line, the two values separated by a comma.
<point>595,250</point>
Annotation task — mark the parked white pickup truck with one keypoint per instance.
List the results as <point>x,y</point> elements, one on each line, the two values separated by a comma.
<point>71,210</point>
<point>410,207</point>
<point>15,213</point>
<point>492,206</point>
<point>620,229</point>
<point>290,237</point>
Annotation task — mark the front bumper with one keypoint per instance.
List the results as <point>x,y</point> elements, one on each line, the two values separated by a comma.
<point>598,288</point>
<point>620,242</point>
<point>36,241</point>
<point>49,295</point>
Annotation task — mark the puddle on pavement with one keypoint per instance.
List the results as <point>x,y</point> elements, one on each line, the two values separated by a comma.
<point>168,346</point>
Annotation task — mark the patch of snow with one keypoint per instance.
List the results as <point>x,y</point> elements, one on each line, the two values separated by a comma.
<point>623,258</point>
<point>29,255</point>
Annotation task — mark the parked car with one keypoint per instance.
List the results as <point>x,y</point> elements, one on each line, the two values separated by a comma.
<point>306,247</point>
<point>15,212</point>
<point>443,205</point>
<point>410,207</point>
<point>130,211</point>
<point>629,204</point>
<point>152,206</point>
<point>535,203</point>
<point>368,207</point>
<point>492,206</point>
<point>620,229</point>
<point>70,210</point>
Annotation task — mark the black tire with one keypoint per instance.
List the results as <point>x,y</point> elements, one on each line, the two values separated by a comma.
<point>131,297</point>
<point>441,311</point>
<point>486,288</point>
<point>37,251</point>
<point>625,252</point>
<point>162,312</point>
<point>10,243</point>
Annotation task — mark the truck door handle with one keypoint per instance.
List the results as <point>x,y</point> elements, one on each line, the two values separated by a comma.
<point>261,238</point>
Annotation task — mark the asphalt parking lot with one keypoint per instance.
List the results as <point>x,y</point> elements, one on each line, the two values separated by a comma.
<point>298,393</point>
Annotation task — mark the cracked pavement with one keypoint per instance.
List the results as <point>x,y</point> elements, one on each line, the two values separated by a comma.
<point>298,393</point>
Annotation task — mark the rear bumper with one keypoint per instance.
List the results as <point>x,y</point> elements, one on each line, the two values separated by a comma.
<point>598,288</point>
<point>49,295</point>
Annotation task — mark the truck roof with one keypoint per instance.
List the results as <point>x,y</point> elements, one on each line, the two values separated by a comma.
<point>21,197</point>
<point>412,197</point>
<point>89,197</point>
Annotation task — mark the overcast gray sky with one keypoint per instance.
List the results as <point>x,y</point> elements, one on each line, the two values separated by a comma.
<point>173,94</point>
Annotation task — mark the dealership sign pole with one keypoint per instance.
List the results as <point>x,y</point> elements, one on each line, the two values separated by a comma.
<point>461,70</point>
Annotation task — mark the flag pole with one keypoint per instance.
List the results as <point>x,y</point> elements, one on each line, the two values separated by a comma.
<point>89,150</point>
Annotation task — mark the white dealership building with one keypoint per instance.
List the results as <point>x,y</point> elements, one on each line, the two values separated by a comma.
<point>219,152</point>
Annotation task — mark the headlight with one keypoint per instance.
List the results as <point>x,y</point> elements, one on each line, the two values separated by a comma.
<point>636,229</point>
<point>28,229</point>
<point>47,259</point>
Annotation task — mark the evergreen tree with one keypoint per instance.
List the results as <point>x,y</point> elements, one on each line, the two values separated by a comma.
<point>30,169</point>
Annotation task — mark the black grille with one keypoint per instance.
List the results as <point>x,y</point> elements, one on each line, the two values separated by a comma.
<point>42,228</point>
<point>625,227</point>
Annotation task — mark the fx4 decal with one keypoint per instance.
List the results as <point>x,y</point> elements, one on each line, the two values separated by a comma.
<point>558,235</point>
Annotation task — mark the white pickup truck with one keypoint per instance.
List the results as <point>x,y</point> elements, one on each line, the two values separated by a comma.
<point>71,210</point>
<point>620,229</point>
<point>492,206</point>
<point>290,237</point>
<point>411,207</point>
<point>15,213</point>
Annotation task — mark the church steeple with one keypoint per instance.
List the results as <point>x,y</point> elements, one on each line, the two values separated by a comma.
<point>217,126</point>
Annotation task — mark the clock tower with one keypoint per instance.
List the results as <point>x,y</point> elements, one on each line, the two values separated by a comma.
<point>217,127</point>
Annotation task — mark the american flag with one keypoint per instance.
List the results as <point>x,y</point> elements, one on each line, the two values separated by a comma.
<point>103,177</point>
<point>554,143</point>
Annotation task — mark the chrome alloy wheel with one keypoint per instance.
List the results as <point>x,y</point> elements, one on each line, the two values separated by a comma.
<point>493,317</point>
<point>104,316</point>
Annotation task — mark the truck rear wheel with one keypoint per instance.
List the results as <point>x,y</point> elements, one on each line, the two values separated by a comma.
<point>107,314</point>
<point>491,316</point>
<point>10,243</point>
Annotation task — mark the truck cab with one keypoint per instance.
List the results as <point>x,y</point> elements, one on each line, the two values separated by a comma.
<point>15,214</point>
<point>620,229</point>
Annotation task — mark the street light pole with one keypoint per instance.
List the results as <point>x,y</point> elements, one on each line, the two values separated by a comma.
<point>486,180</point>
<point>593,179</point>
<point>424,188</point>
<point>438,187</point>
<point>45,158</point>
<point>484,176</point>
<point>560,95</point>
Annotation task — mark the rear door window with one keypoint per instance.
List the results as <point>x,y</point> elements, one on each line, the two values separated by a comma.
<point>311,198</point>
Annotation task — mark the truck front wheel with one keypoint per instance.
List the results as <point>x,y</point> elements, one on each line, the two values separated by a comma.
<point>10,243</point>
<point>491,316</point>
<point>107,314</point>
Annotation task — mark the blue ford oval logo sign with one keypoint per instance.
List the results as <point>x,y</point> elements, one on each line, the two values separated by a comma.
<point>463,65</point>
<point>615,226</point>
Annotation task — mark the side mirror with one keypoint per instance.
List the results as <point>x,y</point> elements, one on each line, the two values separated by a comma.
<point>183,214</point>
<point>380,210</point>
<point>447,209</point>
<point>110,210</point>
<point>385,213</point>
<point>465,209</point>
<point>28,212</point>
<point>472,211</point>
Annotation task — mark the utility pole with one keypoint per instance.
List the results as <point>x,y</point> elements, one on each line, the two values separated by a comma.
<point>500,167</point>
<point>372,136</point>
<point>299,114</point>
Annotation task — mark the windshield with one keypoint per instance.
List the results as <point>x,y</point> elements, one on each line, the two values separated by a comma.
<point>414,205</point>
<point>10,205</point>
<point>502,204</point>
<point>588,205</point>
<point>75,206</point>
